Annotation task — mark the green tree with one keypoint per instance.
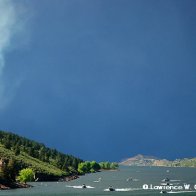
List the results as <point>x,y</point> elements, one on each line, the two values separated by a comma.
<point>108,165</point>
<point>26,175</point>
<point>12,169</point>
<point>114,165</point>
<point>82,169</point>
<point>7,144</point>
<point>5,170</point>
<point>16,150</point>
<point>95,166</point>
<point>9,170</point>
<point>104,165</point>
<point>88,166</point>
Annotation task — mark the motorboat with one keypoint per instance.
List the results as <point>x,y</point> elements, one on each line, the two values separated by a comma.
<point>166,180</point>
<point>99,180</point>
<point>111,188</point>
<point>129,179</point>
<point>166,184</point>
<point>163,192</point>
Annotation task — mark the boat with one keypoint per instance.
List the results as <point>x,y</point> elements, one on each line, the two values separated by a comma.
<point>97,180</point>
<point>129,179</point>
<point>166,184</point>
<point>163,192</point>
<point>166,180</point>
<point>111,188</point>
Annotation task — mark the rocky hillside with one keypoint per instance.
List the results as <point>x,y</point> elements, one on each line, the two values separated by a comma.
<point>142,160</point>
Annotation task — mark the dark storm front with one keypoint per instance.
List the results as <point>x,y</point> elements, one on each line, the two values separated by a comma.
<point>118,69</point>
<point>126,181</point>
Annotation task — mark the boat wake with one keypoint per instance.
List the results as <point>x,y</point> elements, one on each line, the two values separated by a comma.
<point>176,192</point>
<point>99,180</point>
<point>132,179</point>
<point>135,180</point>
<point>80,187</point>
<point>124,189</point>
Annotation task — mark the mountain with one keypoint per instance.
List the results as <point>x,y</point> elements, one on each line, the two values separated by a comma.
<point>46,162</point>
<point>142,160</point>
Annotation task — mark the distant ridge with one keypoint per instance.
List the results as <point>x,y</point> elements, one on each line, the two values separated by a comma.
<point>143,160</point>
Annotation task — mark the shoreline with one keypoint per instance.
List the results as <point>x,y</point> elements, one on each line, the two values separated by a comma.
<point>109,170</point>
<point>15,185</point>
<point>8,186</point>
<point>69,178</point>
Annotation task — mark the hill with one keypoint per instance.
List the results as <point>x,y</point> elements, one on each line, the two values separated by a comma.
<point>46,162</point>
<point>142,160</point>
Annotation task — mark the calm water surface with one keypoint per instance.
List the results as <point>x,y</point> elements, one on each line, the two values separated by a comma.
<point>127,181</point>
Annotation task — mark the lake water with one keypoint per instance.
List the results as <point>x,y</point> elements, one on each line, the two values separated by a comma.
<point>127,181</point>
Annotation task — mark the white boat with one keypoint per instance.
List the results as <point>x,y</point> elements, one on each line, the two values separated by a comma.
<point>166,180</point>
<point>163,192</point>
<point>97,180</point>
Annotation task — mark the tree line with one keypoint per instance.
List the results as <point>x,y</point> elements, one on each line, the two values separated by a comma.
<point>13,168</point>
<point>38,150</point>
<point>93,166</point>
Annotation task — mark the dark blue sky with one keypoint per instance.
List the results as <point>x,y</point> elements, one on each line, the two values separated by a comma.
<point>103,79</point>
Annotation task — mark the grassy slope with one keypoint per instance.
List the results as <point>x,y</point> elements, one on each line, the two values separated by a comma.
<point>36,164</point>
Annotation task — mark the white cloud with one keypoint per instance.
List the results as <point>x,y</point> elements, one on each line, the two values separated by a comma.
<point>11,24</point>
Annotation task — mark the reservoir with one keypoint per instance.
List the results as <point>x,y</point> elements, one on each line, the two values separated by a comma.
<point>125,181</point>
